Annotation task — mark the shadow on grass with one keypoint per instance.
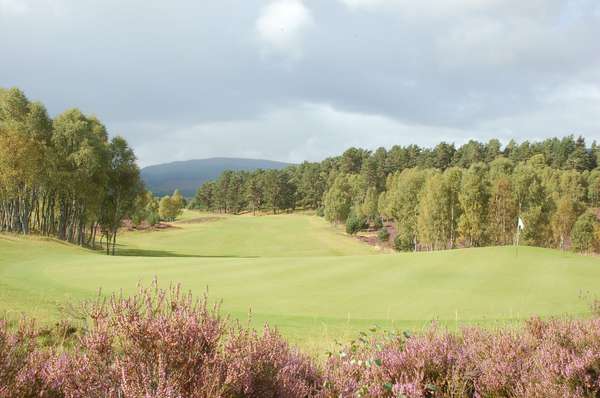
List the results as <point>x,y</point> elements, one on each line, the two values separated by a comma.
<point>165,253</point>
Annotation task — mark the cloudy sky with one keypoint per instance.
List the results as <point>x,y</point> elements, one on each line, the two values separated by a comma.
<point>304,79</point>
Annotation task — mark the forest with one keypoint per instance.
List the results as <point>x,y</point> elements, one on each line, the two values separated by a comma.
<point>438,198</point>
<point>63,177</point>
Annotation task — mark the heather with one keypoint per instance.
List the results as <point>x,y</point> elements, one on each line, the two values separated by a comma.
<point>156,343</point>
<point>556,358</point>
<point>165,343</point>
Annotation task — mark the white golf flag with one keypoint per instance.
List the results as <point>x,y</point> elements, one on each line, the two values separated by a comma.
<point>520,224</point>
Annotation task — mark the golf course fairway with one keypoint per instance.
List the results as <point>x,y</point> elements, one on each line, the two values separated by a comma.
<point>307,278</point>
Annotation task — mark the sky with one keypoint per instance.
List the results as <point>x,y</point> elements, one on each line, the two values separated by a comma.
<point>296,80</point>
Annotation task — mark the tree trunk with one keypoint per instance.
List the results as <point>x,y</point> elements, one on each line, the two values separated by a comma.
<point>114,242</point>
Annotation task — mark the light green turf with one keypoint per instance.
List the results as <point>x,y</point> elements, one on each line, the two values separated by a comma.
<point>305,277</point>
<point>209,235</point>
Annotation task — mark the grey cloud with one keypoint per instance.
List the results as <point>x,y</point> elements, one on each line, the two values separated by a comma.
<point>199,79</point>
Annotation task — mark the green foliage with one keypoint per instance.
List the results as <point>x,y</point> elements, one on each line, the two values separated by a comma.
<point>474,200</point>
<point>402,203</point>
<point>443,155</point>
<point>178,201</point>
<point>255,191</point>
<point>123,179</point>
<point>383,235</point>
<point>352,160</point>
<point>205,196</point>
<point>355,223</point>
<point>62,177</point>
<point>563,220</point>
<point>171,207</point>
<point>378,223</point>
<point>533,201</point>
<point>593,181</point>
<point>165,208</point>
<point>503,210</point>
<point>438,196</point>
<point>584,237</point>
<point>311,181</point>
<point>435,222</point>
<point>146,209</point>
<point>452,184</point>
<point>469,154</point>
<point>404,243</point>
<point>338,200</point>
<point>368,208</point>
<point>279,190</point>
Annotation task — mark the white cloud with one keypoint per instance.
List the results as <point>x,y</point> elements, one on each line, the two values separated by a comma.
<point>578,91</point>
<point>367,4</point>
<point>21,8</point>
<point>13,7</point>
<point>282,24</point>
<point>457,8</point>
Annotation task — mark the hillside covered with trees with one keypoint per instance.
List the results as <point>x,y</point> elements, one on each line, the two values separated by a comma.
<point>188,175</point>
<point>63,177</point>
<point>439,198</point>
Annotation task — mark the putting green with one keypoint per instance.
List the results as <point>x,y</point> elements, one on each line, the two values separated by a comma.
<point>303,276</point>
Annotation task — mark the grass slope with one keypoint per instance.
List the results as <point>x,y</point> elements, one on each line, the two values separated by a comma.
<point>305,277</point>
<point>286,235</point>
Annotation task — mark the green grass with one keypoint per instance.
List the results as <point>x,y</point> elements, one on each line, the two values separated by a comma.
<point>288,235</point>
<point>305,277</point>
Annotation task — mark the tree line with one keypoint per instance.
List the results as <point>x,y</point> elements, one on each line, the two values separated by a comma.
<point>438,198</point>
<point>63,177</point>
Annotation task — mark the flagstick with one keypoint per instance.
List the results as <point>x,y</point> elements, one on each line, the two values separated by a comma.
<point>518,235</point>
<point>517,248</point>
<point>520,225</point>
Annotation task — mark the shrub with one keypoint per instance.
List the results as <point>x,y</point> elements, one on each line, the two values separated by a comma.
<point>355,223</point>
<point>547,359</point>
<point>162,344</point>
<point>21,362</point>
<point>378,223</point>
<point>265,366</point>
<point>153,219</point>
<point>403,243</point>
<point>383,235</point>
<point>583,236</point>
<point>320,211</point>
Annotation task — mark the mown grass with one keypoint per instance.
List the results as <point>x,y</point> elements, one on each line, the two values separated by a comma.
<point>286,235</point>
<point>305,277</point>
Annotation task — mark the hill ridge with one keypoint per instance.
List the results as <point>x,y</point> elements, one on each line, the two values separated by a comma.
<point>188,175</point>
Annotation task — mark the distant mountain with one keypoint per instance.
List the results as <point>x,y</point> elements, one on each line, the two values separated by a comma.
<point>188,175</point>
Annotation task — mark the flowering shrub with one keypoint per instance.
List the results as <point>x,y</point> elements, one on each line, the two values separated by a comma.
<point>166,344</point>
<point>557,358</point>
<point>156,344</point>
<point>21,362</point>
